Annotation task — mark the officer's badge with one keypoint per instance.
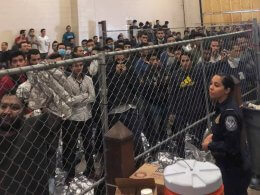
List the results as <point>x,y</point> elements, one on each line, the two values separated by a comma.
<point>231,123</point>
<point>217,119</point>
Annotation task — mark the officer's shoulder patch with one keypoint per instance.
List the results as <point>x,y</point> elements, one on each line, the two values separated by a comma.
<point>231,123</point>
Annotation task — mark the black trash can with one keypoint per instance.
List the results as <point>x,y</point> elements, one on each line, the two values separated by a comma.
<point>252,127</point>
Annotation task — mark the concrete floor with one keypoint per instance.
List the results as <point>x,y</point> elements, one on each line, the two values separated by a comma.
<point>253,192</point>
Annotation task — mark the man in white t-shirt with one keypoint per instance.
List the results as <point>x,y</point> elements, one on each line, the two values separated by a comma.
<point>44,44</point>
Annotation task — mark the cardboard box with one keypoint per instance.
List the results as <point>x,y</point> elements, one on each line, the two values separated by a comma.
<point>126,186</point>
<point>151,171</point>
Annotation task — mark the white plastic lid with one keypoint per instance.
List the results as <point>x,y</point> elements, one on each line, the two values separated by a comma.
<point>191,177</point>
<point>147,191</point>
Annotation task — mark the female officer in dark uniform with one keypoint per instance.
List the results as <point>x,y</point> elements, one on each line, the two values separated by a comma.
<point>225,142</point>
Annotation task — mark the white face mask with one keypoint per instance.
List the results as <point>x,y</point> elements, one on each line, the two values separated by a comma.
<point>68,52</point>
<point>236,60</point>
<point>89,49</point>
<point>111,46</point>
<point>241,76</point>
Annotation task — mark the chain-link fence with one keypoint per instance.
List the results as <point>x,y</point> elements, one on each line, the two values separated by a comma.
<point>135,33</point>
<point>53,124</point>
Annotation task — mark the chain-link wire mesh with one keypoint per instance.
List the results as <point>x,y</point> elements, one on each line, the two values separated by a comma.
<point>161,93</point>
<point>148,33</point>
<point>53,134</point>
<point>165,83</point>
<point>52,140</point>
<point>136,32</point>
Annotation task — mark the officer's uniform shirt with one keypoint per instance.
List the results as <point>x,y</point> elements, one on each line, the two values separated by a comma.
<point>226,129</point>
<point>231,158</point>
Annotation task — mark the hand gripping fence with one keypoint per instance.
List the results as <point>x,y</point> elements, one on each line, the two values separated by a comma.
<point>158,92</point>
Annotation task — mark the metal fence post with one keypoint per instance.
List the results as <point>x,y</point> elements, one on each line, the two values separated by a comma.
<point>205,85</point>
<point>103,90</point>
<point>103,100</point>
<point>256,43</point>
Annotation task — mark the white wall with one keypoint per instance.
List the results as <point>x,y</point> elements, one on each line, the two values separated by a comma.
<point>15,15</point>
<point>84,15</point>
<point>87,22</point>
<point>117,12</point>
<point>192,13</point>
<point>141,10</point>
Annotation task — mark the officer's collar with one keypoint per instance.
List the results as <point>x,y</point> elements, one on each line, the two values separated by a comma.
<point>221,106</point>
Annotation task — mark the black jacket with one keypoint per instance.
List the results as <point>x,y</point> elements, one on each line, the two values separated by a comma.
<point>23,166</point>
<point>227,125</point>
<point>4,56</point>
<point>154,86</point>
<point>122,87</point>
<point>186,93</point>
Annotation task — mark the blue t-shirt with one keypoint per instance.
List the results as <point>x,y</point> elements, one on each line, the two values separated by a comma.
<point>67,36</point>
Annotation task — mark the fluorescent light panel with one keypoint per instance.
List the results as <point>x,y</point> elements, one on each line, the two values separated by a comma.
<point>233,12</point>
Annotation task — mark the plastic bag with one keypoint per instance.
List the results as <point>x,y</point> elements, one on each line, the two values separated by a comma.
<point>254,106</point>
<point>192,152</point>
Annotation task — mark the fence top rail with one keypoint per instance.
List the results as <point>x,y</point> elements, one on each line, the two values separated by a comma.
<point>51,65</point>
<point>149,29</point>
<point>226,24</point>
<point>206,25</point>
<point>174,43</point>
<point>46,66</point>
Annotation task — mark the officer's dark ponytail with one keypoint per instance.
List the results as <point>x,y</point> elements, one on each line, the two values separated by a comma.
<point>227,81</point>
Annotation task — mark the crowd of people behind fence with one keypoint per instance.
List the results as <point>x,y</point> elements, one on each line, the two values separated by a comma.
<point>153,92</point>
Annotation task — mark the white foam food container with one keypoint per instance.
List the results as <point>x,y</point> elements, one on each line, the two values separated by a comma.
<point>191,177</point>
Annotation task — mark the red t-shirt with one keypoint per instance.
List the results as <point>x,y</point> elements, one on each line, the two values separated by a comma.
<point>20,39</point>
<point>7,83</point>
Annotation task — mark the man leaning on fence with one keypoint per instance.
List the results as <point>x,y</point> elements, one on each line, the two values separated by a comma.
<point>79,122</point>
<point>153,86</point>
<point>122,91</point>
<point>23,154</point>
<point>185,90</point>
<point>17,59</point>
